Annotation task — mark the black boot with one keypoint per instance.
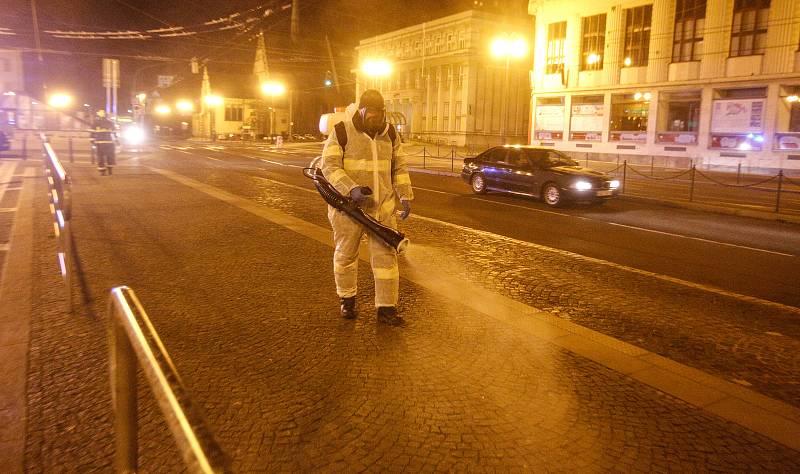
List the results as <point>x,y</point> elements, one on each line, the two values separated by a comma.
<point>388,315</point>
<point>348,307</point>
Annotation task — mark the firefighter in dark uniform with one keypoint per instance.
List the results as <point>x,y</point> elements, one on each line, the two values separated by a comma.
<point>103,137</point>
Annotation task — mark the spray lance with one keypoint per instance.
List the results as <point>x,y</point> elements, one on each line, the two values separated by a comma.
<point>389,236</point>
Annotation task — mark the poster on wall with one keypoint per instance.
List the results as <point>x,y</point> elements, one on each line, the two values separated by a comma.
<point>737,116</point>
<point>586,122</point>
<point>731,141</point>
<point>550,118</point>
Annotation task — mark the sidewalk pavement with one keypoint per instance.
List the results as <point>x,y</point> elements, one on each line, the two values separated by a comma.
<point>239,290</point>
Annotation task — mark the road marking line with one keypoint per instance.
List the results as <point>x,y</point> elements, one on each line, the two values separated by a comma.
<point>436,191</point>
<point>8,209</point>
<point>274,162</point>
<point>772,418</point>
<point>698,238</point>
<point>526,207</point>
<point>215,159</point>
<point>4,247</point>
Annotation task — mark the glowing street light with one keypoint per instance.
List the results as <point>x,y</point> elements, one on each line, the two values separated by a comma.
<point>163,109</point>
<point>213,100</point>
<point>59,100</point>
<point>273,88</point>
<point>184,106</point>
<point>376,67</point>
<point>593,58</point>
<point>792,98</point>
<point>627,62</point>
<point>509,47</point>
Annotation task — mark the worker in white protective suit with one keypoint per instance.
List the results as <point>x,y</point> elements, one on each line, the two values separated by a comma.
<point>362,158</point>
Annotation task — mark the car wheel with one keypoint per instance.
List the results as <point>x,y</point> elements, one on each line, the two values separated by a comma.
<point>551,195</point>
<point>478,184</point>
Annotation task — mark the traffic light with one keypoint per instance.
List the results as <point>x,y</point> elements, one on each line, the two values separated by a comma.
<point>328,80</point>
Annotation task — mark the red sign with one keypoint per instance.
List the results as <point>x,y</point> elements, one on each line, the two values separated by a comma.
<point>787,141</point>
<point>731,141</point>
<point>586,136</point>
<point>682,138</point>
<point>549,135</point>
<point>627,136</point>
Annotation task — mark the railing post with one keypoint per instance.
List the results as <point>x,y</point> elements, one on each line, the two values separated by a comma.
<point>423,157</point>
<point>624,174</point>
<point>123,396</point>
<point>71,156</point>
<point>691,185</point>
<point>452,160</point>
<point>25,147</point>
<point>652,161</point>
<point>738,172</point>
<point>778,194</point>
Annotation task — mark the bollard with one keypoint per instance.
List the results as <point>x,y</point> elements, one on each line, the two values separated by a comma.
<point>652,160</point>
<point>738,172</point>
<point>624,175</point>
<point>423,157</point>
<point>587,159</point>
<point>617,160</point>
<point>25,147</point>
<point>71,155</point>
<point>691,185</point>
<point>452,161</point>
<point>778,194</point>
<point>123,396</point>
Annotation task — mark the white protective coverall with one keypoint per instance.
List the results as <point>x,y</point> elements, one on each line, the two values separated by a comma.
<point>381,165</point>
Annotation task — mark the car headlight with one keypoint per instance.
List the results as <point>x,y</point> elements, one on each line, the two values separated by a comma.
<point>582,185</point>
<point>614,184</point>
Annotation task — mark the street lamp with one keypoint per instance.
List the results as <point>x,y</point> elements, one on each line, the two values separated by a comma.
<point>273,89</point>
<point>375,69</point>
<point>59,100</point>
<point>213,101</point>
<point>184,106</point>
<point>163,109</point>
<point>508,47</point>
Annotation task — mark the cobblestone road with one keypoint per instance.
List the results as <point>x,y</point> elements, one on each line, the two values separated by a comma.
<point>248,311</point>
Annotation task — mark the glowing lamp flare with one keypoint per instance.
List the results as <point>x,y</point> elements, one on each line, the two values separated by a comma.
<point>593,58</point>
<point>376,67</point>
<point>213,100</point>
<point>792,98</point>
<point>184,106</point>
<point>509,47</point>
<point>163,110</point>
<point>60,100</point>
<point>273,88</point>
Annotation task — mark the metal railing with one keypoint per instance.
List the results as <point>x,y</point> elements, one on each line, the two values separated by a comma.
<point>59,184</point>
<point>133,338</point>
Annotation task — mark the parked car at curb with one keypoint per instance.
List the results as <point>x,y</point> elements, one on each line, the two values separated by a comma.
<point>547,174</point>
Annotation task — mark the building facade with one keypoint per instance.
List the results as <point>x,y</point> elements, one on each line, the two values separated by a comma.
<point>712,82</point>
<point>446,84</point>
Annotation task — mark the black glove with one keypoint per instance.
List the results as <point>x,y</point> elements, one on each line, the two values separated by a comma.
<point>360,195</point>
<point>406,209</point>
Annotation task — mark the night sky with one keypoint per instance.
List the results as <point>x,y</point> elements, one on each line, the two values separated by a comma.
<point>74,64</point>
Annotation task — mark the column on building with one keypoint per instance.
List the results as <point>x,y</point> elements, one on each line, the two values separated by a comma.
<point>716,38</point>
<point>573,52</point>
<point>782,41</point>
<point>615,33</point>
<point>661,29</point>
<point>451,101</point>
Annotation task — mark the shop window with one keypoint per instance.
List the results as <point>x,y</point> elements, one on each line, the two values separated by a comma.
<point>678,117</point>
<point>462,40</point>
<point>593,41</point>
<point>787,135</point>
<point>749,30</point>
<point>457,119</point>
<point>687,41</point>
<point>233,113</point>
<point>556,37</point>
<point>737,119</point>
<point>586,118</point>
<point>629,115</point>
<point>549,118</point>
<point>459,75</point>
<point>637,35</point>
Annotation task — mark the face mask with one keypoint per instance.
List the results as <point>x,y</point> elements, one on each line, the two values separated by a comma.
<point>374,119</point>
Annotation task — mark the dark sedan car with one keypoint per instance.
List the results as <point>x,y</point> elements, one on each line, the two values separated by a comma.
<point>540,172</point>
